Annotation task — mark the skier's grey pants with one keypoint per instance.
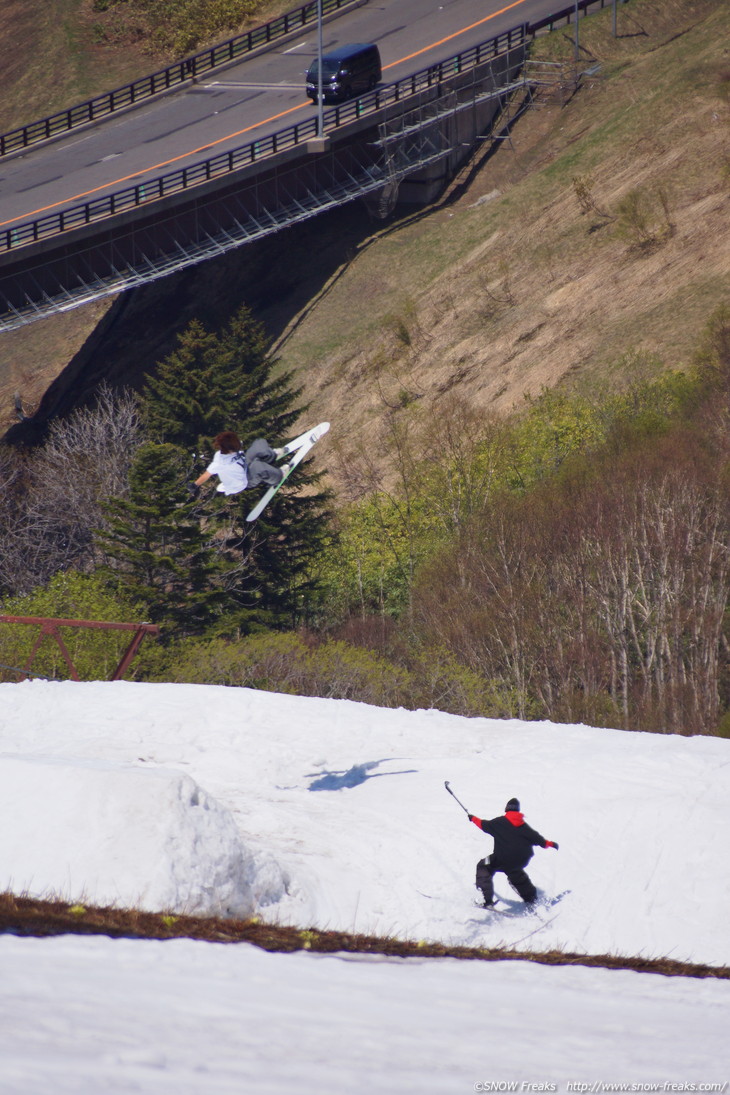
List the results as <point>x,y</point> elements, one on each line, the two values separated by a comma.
<point>260,459</point>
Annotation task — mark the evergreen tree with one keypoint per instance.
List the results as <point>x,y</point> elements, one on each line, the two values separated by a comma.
<point>213,382</point>
<point>219,382</point>
<point>177,397</point>
<point>161,554</point>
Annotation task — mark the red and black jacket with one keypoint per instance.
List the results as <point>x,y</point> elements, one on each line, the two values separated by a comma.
<point>514,839</point>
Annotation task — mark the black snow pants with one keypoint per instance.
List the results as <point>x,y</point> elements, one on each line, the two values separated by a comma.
<point>516,876</point>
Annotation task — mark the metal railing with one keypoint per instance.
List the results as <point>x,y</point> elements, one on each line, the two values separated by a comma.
<point>567,14</point>
<point>120,98</point>
<point>109,205</point>
<point>48,627</point>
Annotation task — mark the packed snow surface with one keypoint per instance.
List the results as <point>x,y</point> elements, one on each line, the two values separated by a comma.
<point>331,814</point>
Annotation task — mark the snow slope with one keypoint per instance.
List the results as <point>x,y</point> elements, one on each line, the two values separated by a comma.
<point>100,1017</point>
<point>334,814</point>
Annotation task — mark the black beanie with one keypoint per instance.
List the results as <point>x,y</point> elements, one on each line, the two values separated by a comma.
<point>513,804</point>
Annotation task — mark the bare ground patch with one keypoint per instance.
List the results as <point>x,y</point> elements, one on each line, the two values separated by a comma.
<point>501,296</point>
<point>506,284</point>
<point>32,917</point>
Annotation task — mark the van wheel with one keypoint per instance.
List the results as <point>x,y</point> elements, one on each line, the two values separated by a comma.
<point>372,83</point>
<point>348,92</point>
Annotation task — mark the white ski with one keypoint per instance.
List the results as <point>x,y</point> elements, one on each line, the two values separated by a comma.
<point>292,446</point>
<point>301,446</point>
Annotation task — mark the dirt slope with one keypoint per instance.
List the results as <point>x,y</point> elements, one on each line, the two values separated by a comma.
<point>509,285</point>
<point>526,274</point>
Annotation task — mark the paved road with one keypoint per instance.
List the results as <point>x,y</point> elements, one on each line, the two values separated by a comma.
<point>254,97</point>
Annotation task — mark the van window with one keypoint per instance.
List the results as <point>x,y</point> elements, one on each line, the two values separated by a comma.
<point>329,68</point>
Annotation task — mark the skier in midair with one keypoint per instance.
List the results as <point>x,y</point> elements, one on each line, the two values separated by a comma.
<point>237,470</point>
<point>514,840</point>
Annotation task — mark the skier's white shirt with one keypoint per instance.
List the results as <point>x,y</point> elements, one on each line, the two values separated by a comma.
<point>231,473</point>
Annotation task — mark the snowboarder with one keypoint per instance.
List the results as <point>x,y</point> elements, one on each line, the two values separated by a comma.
<point>513,843</point>
<point>237,470</point>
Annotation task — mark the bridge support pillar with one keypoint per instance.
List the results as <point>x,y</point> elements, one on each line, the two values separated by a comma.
<point>316,145</point>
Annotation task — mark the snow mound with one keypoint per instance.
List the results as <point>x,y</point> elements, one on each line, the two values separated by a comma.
<point>116,834</point>
<point>333,814</point>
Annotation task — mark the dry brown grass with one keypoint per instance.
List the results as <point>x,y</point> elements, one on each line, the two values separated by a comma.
<point>521,290</point>
<point>504,286</point>
<point>32,917</point>
<point>31,357</point>
<point>51,59</point>
<point>59,52</point>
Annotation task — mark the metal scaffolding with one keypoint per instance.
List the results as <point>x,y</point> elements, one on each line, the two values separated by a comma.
<point>407,143</point>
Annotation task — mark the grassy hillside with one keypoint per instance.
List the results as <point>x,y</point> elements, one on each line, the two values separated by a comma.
<point>26,916</point>
<point>591,245</point>
<point>53,58</point>
<point>62,51</point>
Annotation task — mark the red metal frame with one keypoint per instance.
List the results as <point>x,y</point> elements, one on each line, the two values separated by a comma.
<point>49,626</point>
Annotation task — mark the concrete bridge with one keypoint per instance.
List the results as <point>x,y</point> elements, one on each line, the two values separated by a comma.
<point>402,141</point>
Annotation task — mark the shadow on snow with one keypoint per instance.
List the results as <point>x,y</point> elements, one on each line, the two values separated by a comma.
<point>352,777</point>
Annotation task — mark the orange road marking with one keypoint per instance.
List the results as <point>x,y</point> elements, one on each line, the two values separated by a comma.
<point>247,129</point>
<point>154,167</point>
<point>456,34</point>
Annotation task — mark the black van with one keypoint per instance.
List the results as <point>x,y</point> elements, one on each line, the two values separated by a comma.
<point>347,71</point>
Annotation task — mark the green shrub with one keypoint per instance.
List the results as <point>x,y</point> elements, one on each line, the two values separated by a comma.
<point>75,596</point>
<point>446,684</point>
<point>644,218</point>
<point>179,26</point>
<point>723,726</point>
<point>286,663</point>
<point>334,669</point>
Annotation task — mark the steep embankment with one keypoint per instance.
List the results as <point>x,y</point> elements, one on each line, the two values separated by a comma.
<point>591,244</point>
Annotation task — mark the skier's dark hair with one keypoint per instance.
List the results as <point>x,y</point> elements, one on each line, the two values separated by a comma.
<point>227,442</point>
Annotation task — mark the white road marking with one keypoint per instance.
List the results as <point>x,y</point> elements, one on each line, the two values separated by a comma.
<point>248,87</point>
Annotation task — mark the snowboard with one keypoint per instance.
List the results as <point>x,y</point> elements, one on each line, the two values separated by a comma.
<point>510,907</point>
<point>301,446</point>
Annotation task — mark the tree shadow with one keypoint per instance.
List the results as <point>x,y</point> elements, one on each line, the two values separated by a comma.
<point>276,276</point>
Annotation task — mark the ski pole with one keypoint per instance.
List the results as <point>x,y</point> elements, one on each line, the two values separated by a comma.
<point>447,785</point>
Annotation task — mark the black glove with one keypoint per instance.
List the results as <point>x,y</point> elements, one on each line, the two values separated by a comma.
<point>193,490</point>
